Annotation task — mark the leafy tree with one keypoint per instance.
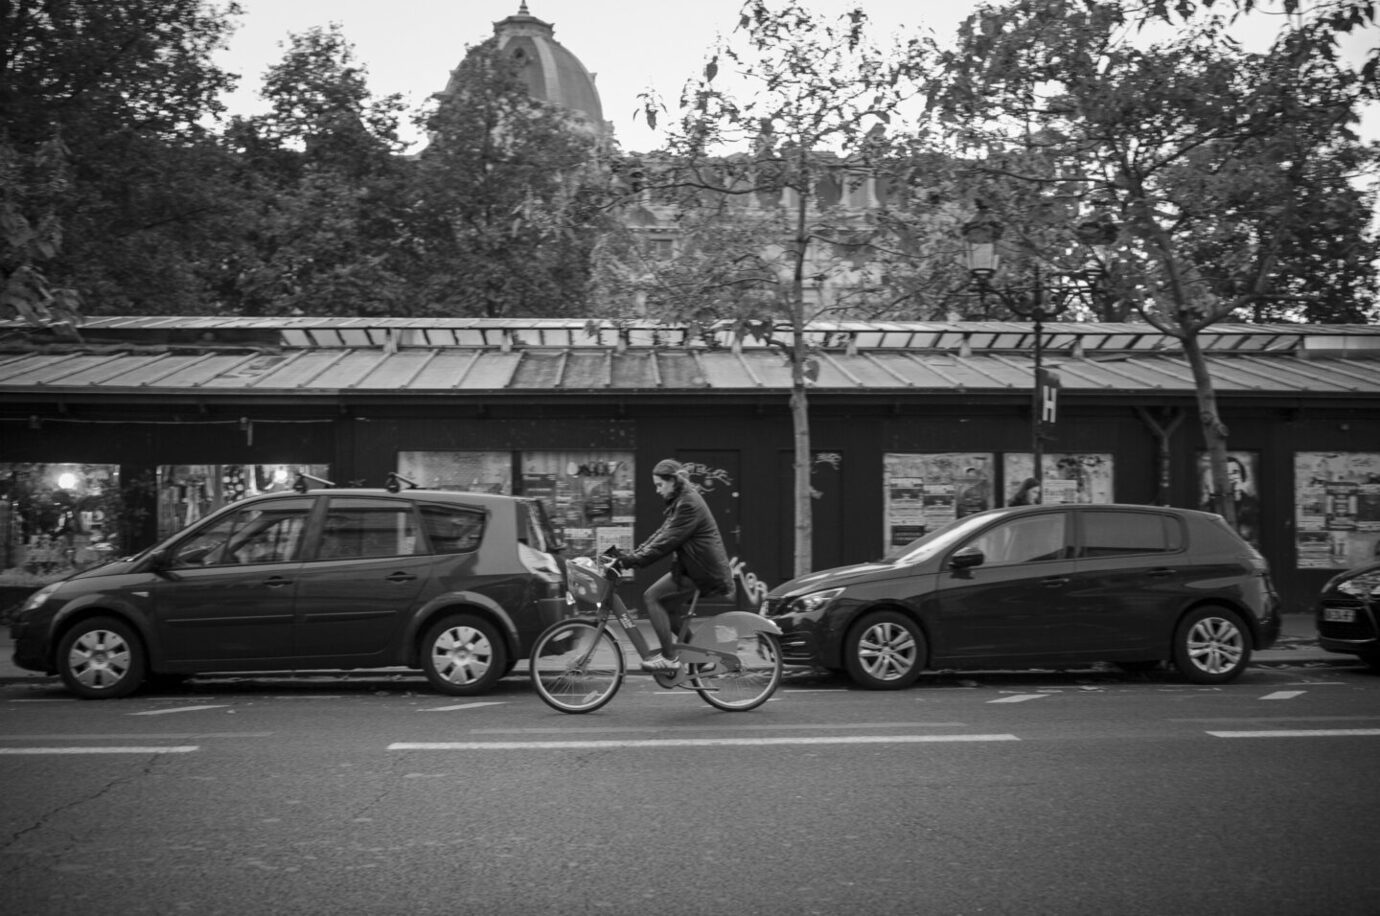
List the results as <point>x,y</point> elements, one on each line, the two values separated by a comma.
<point>1222,168</point>
<point>120,91</point>
<point>328,233</point>
<point>507,200</point>
<point>784,119</point>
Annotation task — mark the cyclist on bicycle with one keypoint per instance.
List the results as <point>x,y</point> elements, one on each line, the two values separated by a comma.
<point>699,561</point>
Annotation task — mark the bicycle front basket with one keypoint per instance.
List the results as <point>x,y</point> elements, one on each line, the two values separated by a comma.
<point>587,582</point>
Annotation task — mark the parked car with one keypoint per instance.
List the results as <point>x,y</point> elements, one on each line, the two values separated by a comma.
<point>1037,586</point>
<point>456,584</point>
<point>1346,614</point>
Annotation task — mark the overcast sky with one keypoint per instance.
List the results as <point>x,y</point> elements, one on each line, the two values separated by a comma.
<point>410,46</point>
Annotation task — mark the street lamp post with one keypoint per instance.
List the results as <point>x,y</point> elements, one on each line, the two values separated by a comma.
<point>980,237</point>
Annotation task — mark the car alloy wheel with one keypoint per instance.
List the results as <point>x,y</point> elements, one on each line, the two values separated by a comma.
<point>1211,646</point>
<point>463,655</point>
<point>884,651</point>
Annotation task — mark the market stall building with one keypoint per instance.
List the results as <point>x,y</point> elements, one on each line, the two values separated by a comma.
<point>146,424</point>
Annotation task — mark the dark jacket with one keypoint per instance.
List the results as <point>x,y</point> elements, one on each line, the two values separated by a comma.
<point>691,536</point>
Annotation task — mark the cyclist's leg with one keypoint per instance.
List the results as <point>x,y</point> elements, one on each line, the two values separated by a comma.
<point>655,600</point>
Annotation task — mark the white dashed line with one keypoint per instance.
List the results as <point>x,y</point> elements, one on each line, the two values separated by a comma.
<point>1302,733</point>
<point>164,712</point>
<point>682,742</point>
<point>1020,698</point>
<point>184,749</point>
<point>461,706</point>
<point>1284,694</point>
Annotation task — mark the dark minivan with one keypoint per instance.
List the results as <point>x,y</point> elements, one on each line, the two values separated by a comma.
<point>1037,586</point>
<point>456,584</point>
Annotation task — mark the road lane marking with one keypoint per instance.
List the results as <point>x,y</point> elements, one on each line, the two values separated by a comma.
<point>1020,698</point>
<point>1284,694</point>
<point>462,706</point>
<point>1302,733</point>
<point>659,729</point>
<point>126,736</point>
<point>681,742</point>
<point>164,712</point>
<point>167,749</point>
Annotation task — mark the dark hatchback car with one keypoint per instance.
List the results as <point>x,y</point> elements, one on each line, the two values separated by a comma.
<point>1039,586</point>
<point>1347,611</point>
<point>456,584</point>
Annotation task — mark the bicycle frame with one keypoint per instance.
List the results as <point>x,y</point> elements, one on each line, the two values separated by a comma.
<point>591,582</point>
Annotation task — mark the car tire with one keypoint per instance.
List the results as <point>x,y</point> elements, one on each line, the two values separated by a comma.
<point>101,658</point>
<point>463,655</point>
<point>1211,646</point>
<point>884,651</point>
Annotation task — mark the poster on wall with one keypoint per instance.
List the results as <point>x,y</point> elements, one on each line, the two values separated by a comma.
<point>924,491</point>
<point>588,495</point>
<point>1242,474</point>
<point>475,472</point>
<point>1337,509</point>
<point>1069,477</point>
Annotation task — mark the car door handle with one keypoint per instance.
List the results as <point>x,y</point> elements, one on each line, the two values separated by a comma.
<point>1160,573</point>
<point>399,577</point>
<point>277,582</point>
<point>1054,581</point>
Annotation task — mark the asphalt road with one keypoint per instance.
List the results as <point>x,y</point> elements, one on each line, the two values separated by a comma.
<point>1040,793</point>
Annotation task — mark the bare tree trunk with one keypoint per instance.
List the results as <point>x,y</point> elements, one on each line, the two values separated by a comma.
<point>1214,430</point>
<point>800,402</point>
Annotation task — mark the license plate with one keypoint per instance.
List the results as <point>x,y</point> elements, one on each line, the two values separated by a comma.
<point>1339,614</point>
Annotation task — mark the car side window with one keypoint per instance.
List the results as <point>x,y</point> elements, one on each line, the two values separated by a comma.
<point>1030,539</point>
<point>363,528</point>
<point>453,529</point>
<point>254,535</point>
<point>1112,534</point>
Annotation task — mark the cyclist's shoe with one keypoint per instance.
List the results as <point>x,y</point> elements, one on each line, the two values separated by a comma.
<point>660,662</point>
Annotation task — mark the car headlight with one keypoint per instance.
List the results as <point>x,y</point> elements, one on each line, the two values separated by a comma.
<point>815,601</point>
<point>38,597</point>
<point>1360,587</point>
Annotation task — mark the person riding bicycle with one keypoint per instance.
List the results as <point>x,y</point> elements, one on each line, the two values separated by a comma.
<point>691,537</point>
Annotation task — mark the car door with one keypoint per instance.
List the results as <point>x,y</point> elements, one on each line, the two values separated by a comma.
<point>226,592</point>
<point>1129,581</point>
<point>361,583</point>
<point>1007,606</point>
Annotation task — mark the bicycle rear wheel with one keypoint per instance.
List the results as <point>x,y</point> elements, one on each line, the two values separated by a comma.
<point>576,666</point>
<point>757,677</point>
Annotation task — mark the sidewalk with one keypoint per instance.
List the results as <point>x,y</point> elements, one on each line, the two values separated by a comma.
<point>1297,645</point>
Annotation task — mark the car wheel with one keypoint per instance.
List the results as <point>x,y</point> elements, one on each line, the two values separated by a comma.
<point>464,655</point>
<point>884,651</point>
<point>1211,646</point>
<point>101,659</point>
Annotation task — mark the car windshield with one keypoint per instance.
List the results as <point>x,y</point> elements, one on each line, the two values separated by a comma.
<point>937,541</point>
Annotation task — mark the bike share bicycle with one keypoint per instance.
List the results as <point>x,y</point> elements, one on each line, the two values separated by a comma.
<point>732,660</point>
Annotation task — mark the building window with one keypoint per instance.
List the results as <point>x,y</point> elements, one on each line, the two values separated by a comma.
<point>58,518</point>
<point>188,492</point>
<point>475,472</point>
<point>587,494</point>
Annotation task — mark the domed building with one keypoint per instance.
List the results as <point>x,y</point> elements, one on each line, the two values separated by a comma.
<point>552,72</point>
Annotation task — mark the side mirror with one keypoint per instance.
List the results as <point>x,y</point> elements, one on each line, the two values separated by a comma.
<point>967,558</point>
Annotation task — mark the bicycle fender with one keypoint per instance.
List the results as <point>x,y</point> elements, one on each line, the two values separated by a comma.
<point>712,632</point>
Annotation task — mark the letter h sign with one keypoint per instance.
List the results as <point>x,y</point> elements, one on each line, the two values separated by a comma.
<point>1046,402</point>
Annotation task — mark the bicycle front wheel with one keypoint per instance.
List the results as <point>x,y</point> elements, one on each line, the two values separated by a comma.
<point>757,676</point>
<point>576,666</point>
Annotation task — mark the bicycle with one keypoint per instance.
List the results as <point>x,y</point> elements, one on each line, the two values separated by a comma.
<point>732,660</point>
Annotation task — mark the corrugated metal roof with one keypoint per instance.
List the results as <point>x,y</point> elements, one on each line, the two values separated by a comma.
<point>316,356</point>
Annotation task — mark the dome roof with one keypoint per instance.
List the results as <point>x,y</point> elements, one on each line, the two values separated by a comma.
<point>553,74</point>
